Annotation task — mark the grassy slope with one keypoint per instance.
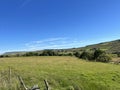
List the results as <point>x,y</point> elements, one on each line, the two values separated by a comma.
<point>64,73</point>
<point>111,47</point>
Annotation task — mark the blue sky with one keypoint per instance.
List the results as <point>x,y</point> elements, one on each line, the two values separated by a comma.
<point>45,24</point>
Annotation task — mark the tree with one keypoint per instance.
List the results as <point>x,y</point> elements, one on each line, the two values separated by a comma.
<point>1,56</point>
<point>49,53</point>
<point>103,58</point>
<point>86,55</point>
<point>77,54</point>
<point>31,54</point>
<point>97,53</point>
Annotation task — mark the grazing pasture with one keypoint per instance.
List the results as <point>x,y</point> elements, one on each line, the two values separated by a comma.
<point>62,73</point>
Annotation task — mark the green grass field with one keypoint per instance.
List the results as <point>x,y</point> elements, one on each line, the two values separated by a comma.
<point>64,73</point>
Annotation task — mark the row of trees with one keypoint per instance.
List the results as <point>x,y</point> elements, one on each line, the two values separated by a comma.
<point>47,53</point>
<point>96,55</point>
<point>1,56</point>
<point>43,53</point>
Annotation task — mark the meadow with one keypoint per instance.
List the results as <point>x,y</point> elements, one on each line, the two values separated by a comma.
<point>62,73</point>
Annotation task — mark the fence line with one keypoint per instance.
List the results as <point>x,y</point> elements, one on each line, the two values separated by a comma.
<point>7,77</point>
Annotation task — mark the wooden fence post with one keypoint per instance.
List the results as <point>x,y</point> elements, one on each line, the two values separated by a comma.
<point>22,83</point>
<point>9,78</point>
<point>47,85</point>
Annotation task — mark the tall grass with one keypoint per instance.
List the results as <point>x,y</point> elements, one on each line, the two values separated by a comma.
<point>62,73</point>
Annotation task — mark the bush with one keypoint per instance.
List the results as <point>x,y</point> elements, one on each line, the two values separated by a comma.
<point>49,53</point>
<point>98,52</point>
<point>118,54</point>
<point>103,58</point>
<point>97,55</point>
<point>29,54</point>
<point>70,88</point>
<point>1,56</point>
<point>86,55</point>
<point>77,54</point>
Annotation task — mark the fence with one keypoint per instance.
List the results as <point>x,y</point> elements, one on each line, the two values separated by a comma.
<point>9,80</point>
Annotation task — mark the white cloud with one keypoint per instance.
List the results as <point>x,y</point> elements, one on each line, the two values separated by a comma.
<point>53,43</point>
<point>50,43</point>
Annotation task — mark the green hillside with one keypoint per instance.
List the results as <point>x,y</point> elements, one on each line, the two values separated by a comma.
<point>110,47</point>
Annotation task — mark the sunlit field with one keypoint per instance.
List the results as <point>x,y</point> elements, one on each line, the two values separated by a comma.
<point>62,73</point>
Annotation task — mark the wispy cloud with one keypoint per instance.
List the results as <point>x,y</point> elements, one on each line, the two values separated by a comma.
<point>50,43</point>
<point>53,43</point>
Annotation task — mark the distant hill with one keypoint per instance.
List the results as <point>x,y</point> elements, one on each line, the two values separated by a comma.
<point>110,47</point>
<point>14,53</point>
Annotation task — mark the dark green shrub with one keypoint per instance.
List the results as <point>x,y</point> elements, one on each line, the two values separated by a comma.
<point>98,52</point>
<point>1,56</point>
<point>86,55</point>
<point>77,54</point>
<point>118,54</point>
<point>97,55</point>
<point>103,58</point>
<point>29,54</point>
<point>49,53</point>
<point>70,54</point>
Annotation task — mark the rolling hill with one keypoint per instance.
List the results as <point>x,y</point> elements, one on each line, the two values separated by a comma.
<point>109,47</point>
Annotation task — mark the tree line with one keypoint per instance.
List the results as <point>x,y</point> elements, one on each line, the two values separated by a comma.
<point>43,53</point>
<point>94,55</point>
